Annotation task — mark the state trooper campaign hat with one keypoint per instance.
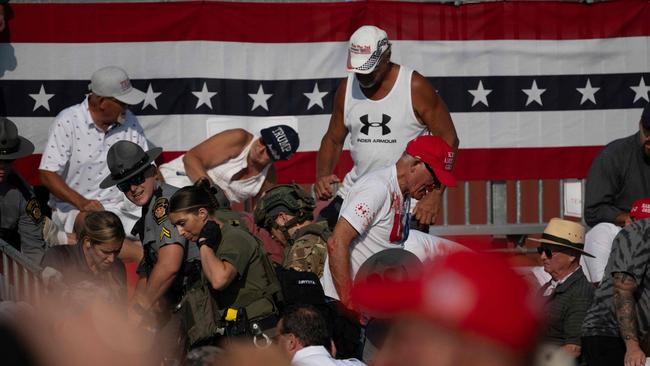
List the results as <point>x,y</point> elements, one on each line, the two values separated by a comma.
<point>112,81</point>
<point>12,145</point>
<point>125,159</point>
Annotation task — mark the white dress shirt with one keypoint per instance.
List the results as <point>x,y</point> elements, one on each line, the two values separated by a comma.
<point>318,356</point>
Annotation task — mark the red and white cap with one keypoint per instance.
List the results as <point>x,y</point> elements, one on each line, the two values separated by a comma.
<point>437,154</point>
<point>367,44</point>
<point>640,209</point>
<point>474,294</point>
<point>112,81</point>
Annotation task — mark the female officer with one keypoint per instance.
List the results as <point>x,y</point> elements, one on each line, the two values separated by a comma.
<point>232,260</point>
<point>94,258</point>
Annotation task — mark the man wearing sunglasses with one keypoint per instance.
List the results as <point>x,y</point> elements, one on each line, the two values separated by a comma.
<point>375,214</point>
<point>569,293</point>
<point>74,158</point>
<point>132,172</point>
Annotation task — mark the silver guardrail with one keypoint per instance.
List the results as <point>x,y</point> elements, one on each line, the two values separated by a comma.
<point>20,278</point>
<point>497,211</point>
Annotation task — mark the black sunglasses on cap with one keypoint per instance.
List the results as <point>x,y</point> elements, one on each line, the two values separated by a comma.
<point>136,180</point>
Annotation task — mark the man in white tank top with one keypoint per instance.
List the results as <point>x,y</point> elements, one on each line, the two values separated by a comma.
<point>382,106</point>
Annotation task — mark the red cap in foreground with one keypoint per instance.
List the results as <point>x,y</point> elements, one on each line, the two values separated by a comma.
<point>478,294</point>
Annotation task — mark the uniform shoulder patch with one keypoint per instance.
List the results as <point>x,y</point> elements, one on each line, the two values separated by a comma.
<point>160,209</point>
<point>33,210</point>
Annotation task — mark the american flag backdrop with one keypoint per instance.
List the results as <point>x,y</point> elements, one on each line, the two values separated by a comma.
<point>535,88</point>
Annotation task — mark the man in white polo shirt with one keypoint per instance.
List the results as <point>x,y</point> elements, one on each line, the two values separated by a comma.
<point>375,213</point>
<point>74,159</point>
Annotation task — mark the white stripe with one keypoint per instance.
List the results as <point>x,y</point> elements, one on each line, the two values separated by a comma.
<point>475,130</point>
<point>279,61</point>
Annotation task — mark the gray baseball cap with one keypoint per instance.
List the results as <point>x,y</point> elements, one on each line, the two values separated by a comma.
<point>112,81</point>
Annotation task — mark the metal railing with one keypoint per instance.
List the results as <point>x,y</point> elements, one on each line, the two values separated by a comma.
<point>20,278</point>
<point>497,211</point>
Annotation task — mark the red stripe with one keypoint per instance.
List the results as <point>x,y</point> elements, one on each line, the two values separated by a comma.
<point>471,164</point>
<point>321,22</point>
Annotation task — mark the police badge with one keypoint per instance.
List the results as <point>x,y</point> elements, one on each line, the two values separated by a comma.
<point>33,210</point>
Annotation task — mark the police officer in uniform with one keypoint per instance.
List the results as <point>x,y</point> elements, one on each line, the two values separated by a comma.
<point>167,255</point>
<point>21,218</point>
<point>286,212</point>
<point>233,263</point>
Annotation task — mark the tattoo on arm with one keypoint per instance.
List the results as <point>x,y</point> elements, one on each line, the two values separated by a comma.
<point>625,305</point>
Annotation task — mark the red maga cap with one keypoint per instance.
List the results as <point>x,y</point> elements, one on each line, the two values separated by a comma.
<point>640,209</point>
<point>437,154</point>
<point>477,294</point>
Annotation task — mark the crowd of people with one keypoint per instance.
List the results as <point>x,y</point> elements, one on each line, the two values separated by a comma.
<point>359,282</point>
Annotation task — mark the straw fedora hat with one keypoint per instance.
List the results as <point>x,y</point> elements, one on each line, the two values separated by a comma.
<point>564,233</point>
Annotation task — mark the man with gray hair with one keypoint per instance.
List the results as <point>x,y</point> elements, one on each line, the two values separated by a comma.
<point>74,159</point>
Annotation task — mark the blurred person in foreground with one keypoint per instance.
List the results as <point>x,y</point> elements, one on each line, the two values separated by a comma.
<point>93,260</point>
<point>305,336</point>
<point>464,309</point>
<point>568,293</point>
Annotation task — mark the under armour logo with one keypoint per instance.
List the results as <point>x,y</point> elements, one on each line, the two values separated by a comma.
<point>385,130</point>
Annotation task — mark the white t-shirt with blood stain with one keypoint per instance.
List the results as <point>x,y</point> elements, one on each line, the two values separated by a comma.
<point>377,210</point>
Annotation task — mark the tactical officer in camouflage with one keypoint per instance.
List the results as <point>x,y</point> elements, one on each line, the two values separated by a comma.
<point>286,212</point>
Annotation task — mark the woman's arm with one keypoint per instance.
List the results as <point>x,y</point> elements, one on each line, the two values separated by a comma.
<point>219,273</point>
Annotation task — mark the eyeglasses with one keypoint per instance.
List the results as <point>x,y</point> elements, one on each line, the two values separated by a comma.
<point>136,180</point>
<point>436,181</point>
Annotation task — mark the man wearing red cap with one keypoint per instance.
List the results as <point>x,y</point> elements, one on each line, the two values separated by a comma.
<point>375,214</point>
<point>382,106</point>
<point>464,309</point>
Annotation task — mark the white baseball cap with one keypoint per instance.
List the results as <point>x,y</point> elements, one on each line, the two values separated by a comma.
<point>367,44</point>
<point>112,81</point>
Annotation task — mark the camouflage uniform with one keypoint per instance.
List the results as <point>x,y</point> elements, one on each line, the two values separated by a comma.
<point>309,249</point>
<point>306,249</point>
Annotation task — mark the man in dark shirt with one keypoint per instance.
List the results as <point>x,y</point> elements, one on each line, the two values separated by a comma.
<point>619,175</point>
<point>568,293</point>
